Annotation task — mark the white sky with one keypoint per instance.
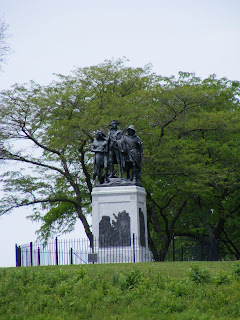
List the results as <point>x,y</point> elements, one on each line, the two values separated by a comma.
<point>55,36</point>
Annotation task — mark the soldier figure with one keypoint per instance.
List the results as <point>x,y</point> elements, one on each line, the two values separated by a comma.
<point>100,161</point>
<point>124,150</point>
<point>134,154</point>
<point>114,148</point>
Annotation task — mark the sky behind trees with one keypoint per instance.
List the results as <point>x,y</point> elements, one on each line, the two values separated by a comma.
<point>54,36</point>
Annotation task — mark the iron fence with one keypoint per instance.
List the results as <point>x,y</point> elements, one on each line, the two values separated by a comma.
<point>182,248</point>
<point>57,252</point>
<point>79,251</point>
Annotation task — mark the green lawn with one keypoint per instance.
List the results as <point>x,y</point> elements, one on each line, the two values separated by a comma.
<point>167,290</point>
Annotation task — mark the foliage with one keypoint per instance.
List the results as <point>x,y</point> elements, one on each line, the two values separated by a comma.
<point>236,270</point>
<point>190,133</point>
<point>222,278</point>
<point>192,174</point>
<point>4,46</point>
<point>76,292</point>
<point>58,122</point>
<point>129,280</point>
<point>199,275</point>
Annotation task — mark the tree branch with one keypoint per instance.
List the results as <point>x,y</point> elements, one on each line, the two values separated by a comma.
<point>177,215</point>
<point>237,252</point>
<point>24,203</point>
<point>86,174</point>
<point>6,155</point>
<point>38,143</point>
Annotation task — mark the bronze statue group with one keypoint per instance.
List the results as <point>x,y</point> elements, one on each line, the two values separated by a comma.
<point>124,150</point>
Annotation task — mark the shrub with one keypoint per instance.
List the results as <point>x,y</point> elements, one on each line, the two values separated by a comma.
<point>129,280</point>
<point>80,273</point>
<point>199,275</point>
<point>116,279</point>
<point>236,270</point>
<point>222,278</point>
<point>133,279</point>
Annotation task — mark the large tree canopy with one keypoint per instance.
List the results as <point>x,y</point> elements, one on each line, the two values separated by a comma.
<point>195,151</point>
<point>190,134</point>
<point>58,122</point>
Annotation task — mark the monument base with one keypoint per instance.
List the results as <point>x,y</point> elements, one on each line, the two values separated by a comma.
<point>120,224</point>
<point>123,254</point>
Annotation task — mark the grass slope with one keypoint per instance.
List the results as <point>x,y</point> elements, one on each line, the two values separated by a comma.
<point>169,290</point>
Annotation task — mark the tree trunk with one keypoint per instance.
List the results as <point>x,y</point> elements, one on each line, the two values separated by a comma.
<point>213,245</point>
<point>85,225</point>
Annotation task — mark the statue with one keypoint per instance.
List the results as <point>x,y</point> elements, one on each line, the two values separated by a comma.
<point>134,154</point>
<point>114,148</point>
<point>99,147</point>
<point>125,150</point>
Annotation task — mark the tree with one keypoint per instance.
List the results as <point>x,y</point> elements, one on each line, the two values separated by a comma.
<point>189,129</point>
<point>4,46</point>
<point>58,122</point>
<point>194,149</point>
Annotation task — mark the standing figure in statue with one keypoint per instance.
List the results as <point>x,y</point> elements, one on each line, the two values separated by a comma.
<point>100,148</point>
<point>134,154</point>
<point>115,148</point>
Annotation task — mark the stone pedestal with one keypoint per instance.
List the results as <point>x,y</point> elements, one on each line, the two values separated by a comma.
<point>119,224</point>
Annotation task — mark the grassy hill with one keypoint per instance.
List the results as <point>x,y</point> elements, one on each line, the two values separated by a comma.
<point>168,290</point>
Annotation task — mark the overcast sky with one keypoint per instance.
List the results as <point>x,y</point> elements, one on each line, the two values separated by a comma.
<point>55,36</point>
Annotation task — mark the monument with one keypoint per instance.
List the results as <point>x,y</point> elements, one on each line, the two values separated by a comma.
<point>119,220</point>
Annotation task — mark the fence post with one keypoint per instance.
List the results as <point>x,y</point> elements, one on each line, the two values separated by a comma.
<point>56,243</point>
<point>201,248</point>
<point>134,259</point>
<point>71,256</point>
<point>31,254</point>
<point>39,261</point>
<point>93,245</point>
<point>18,255</point>
<point>173,247</point>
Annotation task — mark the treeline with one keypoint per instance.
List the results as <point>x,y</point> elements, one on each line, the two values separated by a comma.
<point>190,132</point>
